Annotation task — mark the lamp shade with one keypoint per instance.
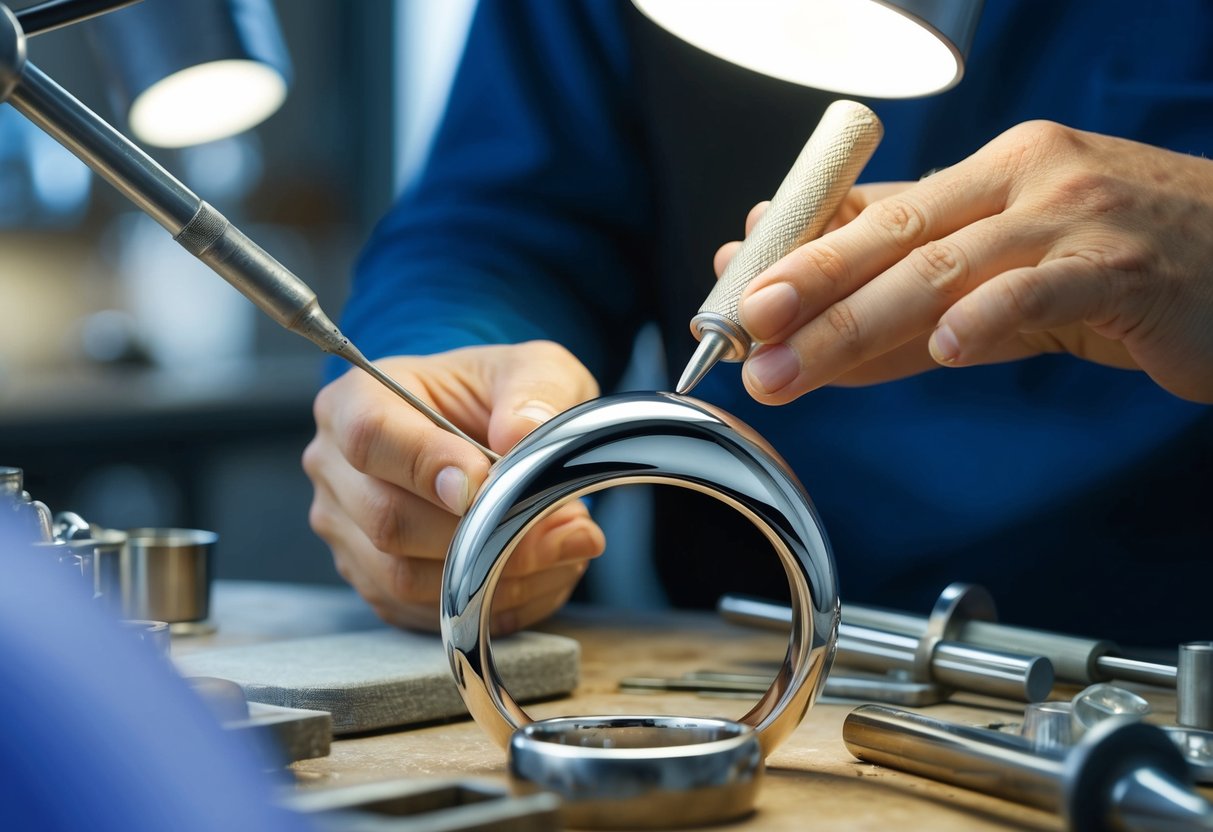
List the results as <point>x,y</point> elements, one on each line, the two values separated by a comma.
<point>193,72</point>
<point>868,48</point>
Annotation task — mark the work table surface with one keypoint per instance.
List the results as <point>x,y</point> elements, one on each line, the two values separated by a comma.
<point>811,779</point>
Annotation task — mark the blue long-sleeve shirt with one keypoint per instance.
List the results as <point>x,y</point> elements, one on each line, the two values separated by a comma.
<point>550,207</point>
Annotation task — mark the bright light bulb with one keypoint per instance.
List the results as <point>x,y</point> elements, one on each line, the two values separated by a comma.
<point>853,47</point>
<point>207,102</point>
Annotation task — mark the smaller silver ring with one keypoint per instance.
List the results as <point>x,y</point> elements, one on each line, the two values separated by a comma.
<point>640,772</point>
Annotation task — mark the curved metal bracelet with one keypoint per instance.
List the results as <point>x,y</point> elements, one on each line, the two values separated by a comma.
<point>640,438</point>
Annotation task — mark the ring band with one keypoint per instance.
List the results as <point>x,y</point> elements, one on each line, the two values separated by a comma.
<point>607,775</point>
<point>631,438</point>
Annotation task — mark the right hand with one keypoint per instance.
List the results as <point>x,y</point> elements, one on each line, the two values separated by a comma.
<point>390,485</point>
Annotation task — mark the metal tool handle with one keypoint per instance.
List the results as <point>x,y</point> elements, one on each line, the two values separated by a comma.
<point>807,199</point>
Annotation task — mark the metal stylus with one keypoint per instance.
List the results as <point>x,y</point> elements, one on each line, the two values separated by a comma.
<point>825,170</point>
<point>198,227</point>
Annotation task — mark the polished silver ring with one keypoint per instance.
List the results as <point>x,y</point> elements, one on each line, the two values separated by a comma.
<point>640,438</point>
<point>641,772</point>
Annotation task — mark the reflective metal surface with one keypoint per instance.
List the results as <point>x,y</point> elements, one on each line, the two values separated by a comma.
<point>167,573</point>
<point>641,772</point>
<point>657,438</point>
<point>949,665</point>
<point>1102,701</point>
<point>1123,775</point>
<point>1194,689</point>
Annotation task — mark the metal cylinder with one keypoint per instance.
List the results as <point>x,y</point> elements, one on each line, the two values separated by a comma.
<point>1003,765</point>
<point>166,574</point>
<point>1123,775</point>
<point>1194,688</point>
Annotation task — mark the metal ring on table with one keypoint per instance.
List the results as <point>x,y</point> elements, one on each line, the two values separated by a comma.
<point>640,438</point>
<point>605,769</point>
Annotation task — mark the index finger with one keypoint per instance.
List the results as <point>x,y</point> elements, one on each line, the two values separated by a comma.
<point>837,264</point>
<point>382,436</point>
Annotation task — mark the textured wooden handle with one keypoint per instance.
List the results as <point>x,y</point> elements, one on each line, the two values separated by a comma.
<point>809,195</point>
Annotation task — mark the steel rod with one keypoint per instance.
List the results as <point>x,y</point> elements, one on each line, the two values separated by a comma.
<point>55,14</point>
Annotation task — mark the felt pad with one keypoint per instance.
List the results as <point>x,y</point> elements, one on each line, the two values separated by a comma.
<point>382,678</point>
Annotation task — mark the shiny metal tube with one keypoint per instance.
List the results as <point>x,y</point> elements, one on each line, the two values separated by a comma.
<point>199,228</point>
<point>1123,775</point>
<point>951,664</point>
<point>974,758</point>
<point>114,157</point>
<point>658,438</point>
<point>1194,694</point>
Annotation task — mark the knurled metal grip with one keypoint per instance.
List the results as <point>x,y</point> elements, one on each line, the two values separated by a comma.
<point>807,199</point>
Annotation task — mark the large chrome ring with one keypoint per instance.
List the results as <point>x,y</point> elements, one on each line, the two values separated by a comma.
<point>640,438</point>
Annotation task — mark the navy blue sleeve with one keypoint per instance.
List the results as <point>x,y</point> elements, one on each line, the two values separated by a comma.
<point>530,216</point>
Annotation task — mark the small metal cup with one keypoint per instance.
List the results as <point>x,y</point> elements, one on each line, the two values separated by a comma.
<point>166,574</point>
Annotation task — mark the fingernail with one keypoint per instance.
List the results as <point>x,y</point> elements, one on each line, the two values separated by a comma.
<point>451,485</point>
<point>771,368</point>
<point>536,411</point>
<point>579,545</point>
<point>770,310</point>
<point>944,347</point>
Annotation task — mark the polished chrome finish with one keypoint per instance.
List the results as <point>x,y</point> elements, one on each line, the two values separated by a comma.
<point>1136,670</point>
<point>1194,691</point>
<point>802,207</point>
<point>658,438</point>
<point>1103,701</point>
<point>1197,747</point>
<point>167,574</point>
<point>1079,660</point>
<point>714,342</point>
<point>950,664</point>
<point>114,157</point>
<point>12,52</point>
<point>641,772</point>
<point>55,14</point>
<point>1049,726</point>
<point>1123,775</point>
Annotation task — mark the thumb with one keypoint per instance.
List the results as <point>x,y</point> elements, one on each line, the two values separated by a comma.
<point>539,380</point>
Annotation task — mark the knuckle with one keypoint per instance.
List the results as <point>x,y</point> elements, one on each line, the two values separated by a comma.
<point>942,267</point>
<point>319,518</point>
<point>383,525</point>
<point>825,260</point>
<point>362,436</point>
<point>899,218</point>
<point>1027,298</point>
<point>845,326</point>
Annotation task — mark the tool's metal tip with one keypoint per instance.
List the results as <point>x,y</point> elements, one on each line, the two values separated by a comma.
<point>712,346</point>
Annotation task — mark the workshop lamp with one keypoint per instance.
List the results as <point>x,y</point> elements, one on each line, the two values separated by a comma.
<point>868,48</point>
<point>189,73</point>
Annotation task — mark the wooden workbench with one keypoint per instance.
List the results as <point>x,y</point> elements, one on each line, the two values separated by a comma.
<point>812,781</point>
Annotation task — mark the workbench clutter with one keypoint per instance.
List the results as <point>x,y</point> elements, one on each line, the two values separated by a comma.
<point>155,583</point>
<point>1091,757</point>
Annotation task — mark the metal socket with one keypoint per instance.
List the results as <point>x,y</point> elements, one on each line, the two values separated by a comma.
<point>1194,685</point>
<point>166,574</point>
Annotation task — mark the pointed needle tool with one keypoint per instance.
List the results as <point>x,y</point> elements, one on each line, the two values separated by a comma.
<point>807,199</point>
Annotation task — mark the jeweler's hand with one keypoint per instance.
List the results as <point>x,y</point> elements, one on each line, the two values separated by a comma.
<point>1048,239</point>
<point>390,485</point>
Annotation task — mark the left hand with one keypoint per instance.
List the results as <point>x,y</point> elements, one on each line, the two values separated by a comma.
<point>1048,239</point>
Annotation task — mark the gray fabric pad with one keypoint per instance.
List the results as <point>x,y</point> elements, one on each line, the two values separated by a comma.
<point>382,678</point>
